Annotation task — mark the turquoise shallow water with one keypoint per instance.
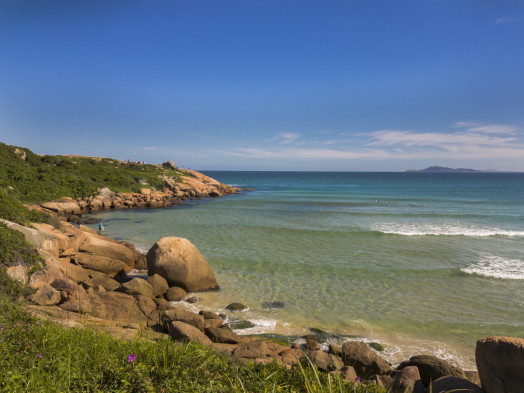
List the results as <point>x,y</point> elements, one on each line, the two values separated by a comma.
<point>420,262</point>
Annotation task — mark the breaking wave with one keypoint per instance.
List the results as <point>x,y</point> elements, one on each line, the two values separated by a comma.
<point>417,229</point>
<point>498,267</point>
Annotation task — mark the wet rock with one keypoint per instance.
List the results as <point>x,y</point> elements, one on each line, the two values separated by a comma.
<point>193,299</point>
<point>376,346</point>
<point>240,325</point>
<point>311,343</point>
<point>273,305</point>
<point>236,307</point>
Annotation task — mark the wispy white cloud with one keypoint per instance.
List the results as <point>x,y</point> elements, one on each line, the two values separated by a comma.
<point>434,139</point>
<point>505,20</point>
<point>473,141</point>
<point>149,148</point>
<point>489,128</point>
<point>285,138</point>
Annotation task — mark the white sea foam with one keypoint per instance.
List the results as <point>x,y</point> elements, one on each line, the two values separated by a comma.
<point>420,229</point>
<point>263,326</point>
<point>496,266</point>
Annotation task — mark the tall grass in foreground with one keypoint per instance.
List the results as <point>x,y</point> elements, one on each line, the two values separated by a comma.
<point>39,356</point>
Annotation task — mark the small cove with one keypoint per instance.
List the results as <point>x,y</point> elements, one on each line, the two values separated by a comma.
<point>423,263</point>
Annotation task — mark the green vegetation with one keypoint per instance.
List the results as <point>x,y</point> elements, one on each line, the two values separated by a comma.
<point>35,178</point>
<point>11,209</point>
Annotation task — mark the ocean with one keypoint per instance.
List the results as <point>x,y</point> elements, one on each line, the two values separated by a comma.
<point>420,262</point>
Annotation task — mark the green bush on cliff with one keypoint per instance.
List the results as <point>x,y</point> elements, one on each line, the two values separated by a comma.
<point>11,209</point>
<point>43,178</point>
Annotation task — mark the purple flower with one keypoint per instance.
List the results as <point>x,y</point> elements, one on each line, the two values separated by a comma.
<point>40,356</point>
<point>357,379</point>
<point>131,358</point>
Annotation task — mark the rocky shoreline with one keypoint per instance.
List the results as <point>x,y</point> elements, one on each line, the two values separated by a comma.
<point>194,185</point>
<point>86,282</point>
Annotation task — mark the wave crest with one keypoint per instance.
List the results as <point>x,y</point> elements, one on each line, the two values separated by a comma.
<point>498,267</point>
<point>415,229</point>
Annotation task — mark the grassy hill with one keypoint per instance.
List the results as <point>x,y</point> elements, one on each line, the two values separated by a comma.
<point>32,178</point>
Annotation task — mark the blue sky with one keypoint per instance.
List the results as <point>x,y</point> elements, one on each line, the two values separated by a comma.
<point>267,85</point>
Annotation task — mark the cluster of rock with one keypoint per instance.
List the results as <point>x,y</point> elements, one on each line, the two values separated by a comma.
<point>87,274</point>
<point>193,185</point>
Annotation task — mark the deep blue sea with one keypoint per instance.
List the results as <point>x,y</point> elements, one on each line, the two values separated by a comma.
<point>421,262</point>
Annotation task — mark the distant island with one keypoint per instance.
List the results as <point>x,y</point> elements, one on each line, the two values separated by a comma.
<point>441,169</point>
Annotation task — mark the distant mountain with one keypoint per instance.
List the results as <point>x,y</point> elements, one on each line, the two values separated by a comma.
<point>441,169</point>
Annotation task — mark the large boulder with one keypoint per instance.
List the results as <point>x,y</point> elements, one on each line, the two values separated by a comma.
<point>45,276</point>
<point>42,241</point>
<point>175,294</point>
<point>159,284</point>
<point>181,264</point>
<point>46,296</point>
<point>63,206</point>
<point>224,336</point>
<point>105,265</point>
<point>500,362</point>
<point>137,286</point>
<point>107,283</point>
<point>109,248</point>
<point>326,362</point>
<point>186,316</point>
<point>365,362</point>
<point>181,331</point>
<point>18,273</point>
<point>407,380</point>
<point>432,368</point>
<point>117,306</point>
<point>454,384</point>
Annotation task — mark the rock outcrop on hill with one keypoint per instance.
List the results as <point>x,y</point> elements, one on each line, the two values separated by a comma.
<point>193,185</point>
